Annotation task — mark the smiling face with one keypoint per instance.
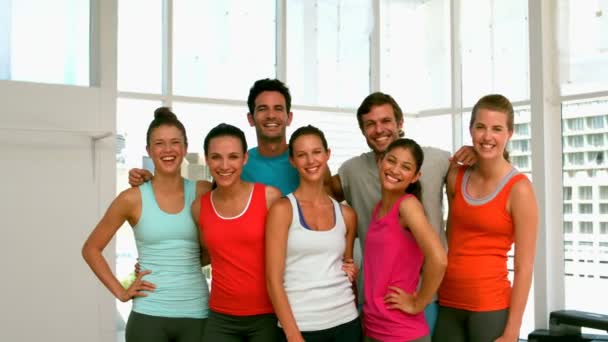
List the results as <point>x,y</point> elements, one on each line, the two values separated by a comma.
<point>270,117</point>
<point>225,158</point>
<point>398,169</point>
<point>490,133</point>
<point>380,127</point>
<point>309,157</point>
<point>167,149</point>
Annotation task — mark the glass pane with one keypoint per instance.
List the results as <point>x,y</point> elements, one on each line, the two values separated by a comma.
<point>415,53</point>
<point>133,118</point>
<point>341,130</point>
<point>199,119</point>
<point>585,177</point>
<point>221,47</point>
<point>520,154</point>
<point>140,46</point>
<point>583,62</point>
<point>433,131</point>
<point>494,38</point>
<point>45,41</point>
<point>328,51</point>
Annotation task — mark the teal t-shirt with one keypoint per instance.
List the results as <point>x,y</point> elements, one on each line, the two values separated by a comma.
<point>274,171</point>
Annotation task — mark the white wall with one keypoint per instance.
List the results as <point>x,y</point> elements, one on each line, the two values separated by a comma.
<point>54,186</point>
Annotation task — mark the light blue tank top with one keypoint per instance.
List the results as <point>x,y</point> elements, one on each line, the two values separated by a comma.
<point>168,245</point>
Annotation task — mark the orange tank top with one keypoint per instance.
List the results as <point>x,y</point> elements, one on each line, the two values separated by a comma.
<point>236,248</point>
<point>481,235</point>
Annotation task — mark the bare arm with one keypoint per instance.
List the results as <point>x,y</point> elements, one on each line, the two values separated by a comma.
<point>449,189</point>
<point>524,211</point>
<point>125,207</point>
<point>195,210</point>
<point>413,217</point>
<point>277,230</point>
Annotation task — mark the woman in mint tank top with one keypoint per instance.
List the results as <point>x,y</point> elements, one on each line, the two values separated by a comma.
<point>399,241</point>
<point>309,252</point>
<point>170,294</point>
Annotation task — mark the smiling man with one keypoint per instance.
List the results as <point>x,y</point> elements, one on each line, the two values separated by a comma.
<point>269,105</point>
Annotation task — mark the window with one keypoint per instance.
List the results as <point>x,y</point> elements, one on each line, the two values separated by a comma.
<point>522,130</point>
<point>45,41</point>
<point>215,40</point>
<point>415,67</point>
<point>576,141</point>
<point>567,208</point>
<point>604,208</point>
<point>585,208</point>
<point>328,59</point>
<point>584,65</point>
<point>603,228</point>
<point>604,192</point>
<point>585,193</point>
<point>577,124</point>
<point>521,162</point>
<point>596,158</point>
<point>418,129</point>
<point>596,140</point>
<point>567,227</point>
<point>586,227</point>
<point>595,122</point>
<point>140,46</point>
<point>577,158</point>
<point>520,145</point>
<point>494,41</point>
<point>567,190</point>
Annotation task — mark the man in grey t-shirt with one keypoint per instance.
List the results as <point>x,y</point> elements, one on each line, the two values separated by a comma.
<point>381,120</point>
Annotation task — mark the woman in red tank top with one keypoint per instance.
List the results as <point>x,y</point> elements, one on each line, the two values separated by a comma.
<point>492,207</point>
<point>232,220</point>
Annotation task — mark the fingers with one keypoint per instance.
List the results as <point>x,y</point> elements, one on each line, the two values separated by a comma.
<point>396,289</point>
<point>138,176</point>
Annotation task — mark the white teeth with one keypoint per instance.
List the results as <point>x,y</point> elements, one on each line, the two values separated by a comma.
<point>167,158</point>
<point>391,178</point>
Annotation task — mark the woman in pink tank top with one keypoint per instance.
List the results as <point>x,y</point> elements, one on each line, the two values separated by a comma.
<point>399,241</point>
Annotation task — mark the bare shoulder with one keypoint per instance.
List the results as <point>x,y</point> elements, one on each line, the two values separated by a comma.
<point>281,205</point>
<point>202,187</point>
<point>347,211</point>
<point>272,194</point>
<point>409,205</point>
<point>129,197</point>
<point>523,190</point>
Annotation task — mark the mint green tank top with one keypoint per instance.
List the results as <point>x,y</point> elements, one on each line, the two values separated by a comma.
<point>168,245</point>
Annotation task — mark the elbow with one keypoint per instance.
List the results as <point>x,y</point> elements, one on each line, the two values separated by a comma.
<point>442,262</point>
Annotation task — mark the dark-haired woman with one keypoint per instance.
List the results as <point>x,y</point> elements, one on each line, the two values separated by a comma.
<point>232,221</point>
<point>309,250</point>
<point>399,240</point>
<point>170,294</point>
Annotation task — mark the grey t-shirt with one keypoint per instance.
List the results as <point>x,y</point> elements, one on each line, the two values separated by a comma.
<point>361,187</point>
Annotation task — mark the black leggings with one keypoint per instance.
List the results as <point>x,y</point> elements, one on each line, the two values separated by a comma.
<point>146,328</point>
<point>228,328</point>
<point>455,325</point>
<point>346,332</point>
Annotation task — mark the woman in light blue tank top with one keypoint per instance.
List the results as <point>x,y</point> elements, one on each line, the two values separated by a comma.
<point>170,294</point>
<point>309,250</point>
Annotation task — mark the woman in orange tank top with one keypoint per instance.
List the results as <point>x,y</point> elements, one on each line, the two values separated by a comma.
<point>492,207</point>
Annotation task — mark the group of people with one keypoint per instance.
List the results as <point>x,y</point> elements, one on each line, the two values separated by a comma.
<point>280,240</point>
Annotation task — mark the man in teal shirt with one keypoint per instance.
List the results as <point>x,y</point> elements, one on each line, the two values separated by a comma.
<point>270,113</point>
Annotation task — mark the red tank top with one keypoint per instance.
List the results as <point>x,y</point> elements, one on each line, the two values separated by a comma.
<point>236,247</point>
<point>481,235</point>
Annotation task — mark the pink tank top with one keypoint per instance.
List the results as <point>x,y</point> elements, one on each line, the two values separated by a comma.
<point>392,258</point>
